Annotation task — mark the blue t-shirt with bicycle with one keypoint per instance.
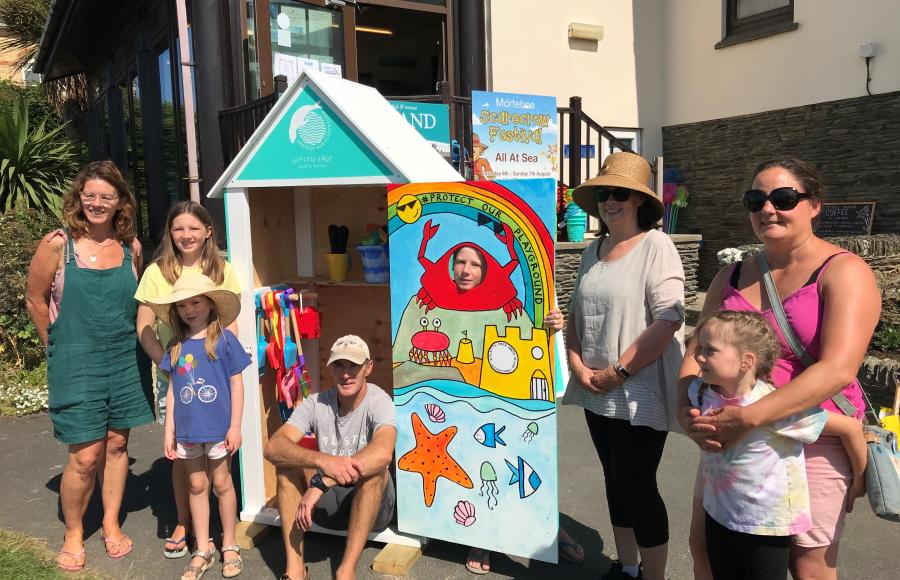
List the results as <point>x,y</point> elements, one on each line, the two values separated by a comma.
<point>202,388</point>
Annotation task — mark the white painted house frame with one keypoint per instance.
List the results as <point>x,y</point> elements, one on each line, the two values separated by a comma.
<point>409,159</point>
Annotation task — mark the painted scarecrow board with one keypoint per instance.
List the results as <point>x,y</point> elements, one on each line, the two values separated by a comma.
<point>473,365</point>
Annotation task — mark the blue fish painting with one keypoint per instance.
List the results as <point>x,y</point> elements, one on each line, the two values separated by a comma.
<point>488,435</point>
<point>525,476</point>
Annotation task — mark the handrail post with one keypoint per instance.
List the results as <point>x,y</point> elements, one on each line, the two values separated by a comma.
<point>281,84</point>
<point>575,142</point>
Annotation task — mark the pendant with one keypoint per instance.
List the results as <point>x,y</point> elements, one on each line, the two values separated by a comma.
<point>93,259</point>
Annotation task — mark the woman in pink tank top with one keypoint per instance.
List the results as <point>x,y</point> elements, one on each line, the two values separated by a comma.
<point>833,304</point>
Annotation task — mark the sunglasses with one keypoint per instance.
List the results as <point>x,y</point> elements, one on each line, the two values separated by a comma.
<point>619,194</point>
<point>782,199</point>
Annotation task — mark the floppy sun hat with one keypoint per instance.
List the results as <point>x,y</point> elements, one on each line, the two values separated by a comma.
<point>621,169</point>
<point>228,304</point>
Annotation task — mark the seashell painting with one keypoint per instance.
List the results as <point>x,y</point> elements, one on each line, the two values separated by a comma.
<point>435,413</point>
<point>464,514</point>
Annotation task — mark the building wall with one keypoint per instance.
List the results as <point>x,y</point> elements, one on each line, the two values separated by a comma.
<point>854,142</point>
<point>616,77</point>
<point>816,63</point>
<point>8,58</point>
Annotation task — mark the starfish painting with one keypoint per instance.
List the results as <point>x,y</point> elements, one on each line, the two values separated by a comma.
<point>430,459</point>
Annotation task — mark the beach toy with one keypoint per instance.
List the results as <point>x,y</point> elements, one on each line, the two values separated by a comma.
<point>376,267</point>
<point>261,342</point>
<point>290,347</point>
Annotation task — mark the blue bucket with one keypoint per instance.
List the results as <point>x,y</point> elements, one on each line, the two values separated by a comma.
<point>376,266</point>
<point>575,232</point>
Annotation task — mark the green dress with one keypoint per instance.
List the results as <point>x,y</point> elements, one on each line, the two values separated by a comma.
<point>97,372</point>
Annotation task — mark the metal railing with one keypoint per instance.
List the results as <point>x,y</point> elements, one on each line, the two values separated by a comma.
<point>237,124</point>
<point>575,124</point>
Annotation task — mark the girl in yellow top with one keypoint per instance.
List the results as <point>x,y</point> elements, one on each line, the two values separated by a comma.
<point>189,247</point>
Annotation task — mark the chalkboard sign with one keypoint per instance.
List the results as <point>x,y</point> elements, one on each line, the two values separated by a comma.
<point>848,218</point>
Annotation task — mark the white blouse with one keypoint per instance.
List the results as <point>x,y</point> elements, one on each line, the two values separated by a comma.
<point>612,304</point>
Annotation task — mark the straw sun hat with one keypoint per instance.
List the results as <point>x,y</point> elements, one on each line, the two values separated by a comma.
<point>619,170</point>
<point>228,304</point>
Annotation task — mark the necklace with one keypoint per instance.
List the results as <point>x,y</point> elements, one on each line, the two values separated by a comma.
<point>93,257</point>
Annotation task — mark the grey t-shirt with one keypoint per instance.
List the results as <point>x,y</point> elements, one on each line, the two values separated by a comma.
<point>344,436</point>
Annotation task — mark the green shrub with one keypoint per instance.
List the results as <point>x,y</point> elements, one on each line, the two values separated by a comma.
<point>23,391</point>
<point>35,163</point>
<point>39,108</point>
<point>887,338</point>
<point>20,229</point>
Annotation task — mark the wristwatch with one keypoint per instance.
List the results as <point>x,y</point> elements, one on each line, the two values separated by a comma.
<point>316,481</point>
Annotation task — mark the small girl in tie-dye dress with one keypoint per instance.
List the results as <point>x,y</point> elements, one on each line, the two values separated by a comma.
<point>755,493</point>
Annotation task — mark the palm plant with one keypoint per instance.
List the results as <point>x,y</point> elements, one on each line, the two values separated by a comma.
<point>24,21</point>
<point>35,164</point>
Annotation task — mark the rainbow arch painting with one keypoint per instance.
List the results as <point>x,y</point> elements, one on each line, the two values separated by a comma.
<point>474,368</point>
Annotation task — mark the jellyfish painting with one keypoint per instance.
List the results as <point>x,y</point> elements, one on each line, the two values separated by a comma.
<point>489,484</point>
<point>530,432</point>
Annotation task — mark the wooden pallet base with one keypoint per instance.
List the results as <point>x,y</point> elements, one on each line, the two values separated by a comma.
<point>396,560</point>
<point>248,535</point>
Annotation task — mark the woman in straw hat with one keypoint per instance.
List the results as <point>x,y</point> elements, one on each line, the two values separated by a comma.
<point>97,375</point>
<point>624,343</point>
<point>203,425</point>
<point>832,302</point>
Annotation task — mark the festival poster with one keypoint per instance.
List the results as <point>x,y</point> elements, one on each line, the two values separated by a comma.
<point>474,370</point>
<point>514,136</point>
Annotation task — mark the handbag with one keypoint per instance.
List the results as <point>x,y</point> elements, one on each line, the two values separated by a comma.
<point>883,467</point>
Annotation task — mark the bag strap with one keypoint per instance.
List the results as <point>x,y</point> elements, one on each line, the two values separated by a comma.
<point>840,400</point>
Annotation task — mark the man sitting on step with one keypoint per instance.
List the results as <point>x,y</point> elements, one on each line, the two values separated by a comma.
<point>345,484</point>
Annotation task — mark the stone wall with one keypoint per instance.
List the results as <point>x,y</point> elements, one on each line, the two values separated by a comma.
<point>855,142</point>
<point>568,259</point>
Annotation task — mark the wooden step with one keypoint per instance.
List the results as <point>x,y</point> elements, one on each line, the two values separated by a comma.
<point>396,560</point>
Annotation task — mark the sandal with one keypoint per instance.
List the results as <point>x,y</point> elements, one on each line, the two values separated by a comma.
<point>117,544</point>
<point>480,556</point>
<point>237,563</point>
<point>571,551</point>
<point>174,553</point>
<point>77,561</point>
<point>305,574</point>
<point>198,571</point>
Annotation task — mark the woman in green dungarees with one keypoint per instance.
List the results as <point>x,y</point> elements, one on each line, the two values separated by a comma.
<point>81,286</point>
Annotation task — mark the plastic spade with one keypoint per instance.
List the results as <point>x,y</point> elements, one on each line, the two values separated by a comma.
<point>333,238</point>
<point>261,343</point>
<point>290,347</point>
<point>343,236</point>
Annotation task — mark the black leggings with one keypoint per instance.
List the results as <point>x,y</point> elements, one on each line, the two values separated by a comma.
<point>630,456</point>
<point>739,556</point>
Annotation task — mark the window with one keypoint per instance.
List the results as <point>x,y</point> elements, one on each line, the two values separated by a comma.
<point>753,19</point>
<point>300,34</point>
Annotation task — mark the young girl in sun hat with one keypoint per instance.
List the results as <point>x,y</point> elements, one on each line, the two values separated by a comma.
<point>189,245</point>
<point>205,396</point>
<point>755,494</point>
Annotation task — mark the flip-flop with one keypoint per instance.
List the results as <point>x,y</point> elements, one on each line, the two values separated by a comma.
<point>481,556</point>
<point>173,554</point>
<point>570,550</point>
<point>117,544</point>
<point>75,566</point>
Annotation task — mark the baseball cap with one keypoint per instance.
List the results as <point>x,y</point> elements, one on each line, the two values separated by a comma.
<point>351,348</point>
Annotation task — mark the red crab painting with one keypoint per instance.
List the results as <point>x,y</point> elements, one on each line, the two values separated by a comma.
<point>430,347</point>
<point>495,291</point>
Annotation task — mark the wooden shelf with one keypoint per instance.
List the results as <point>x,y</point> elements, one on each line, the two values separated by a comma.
<point>326,281</point>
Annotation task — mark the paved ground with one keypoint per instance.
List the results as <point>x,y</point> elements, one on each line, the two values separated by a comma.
<point>29,492</point>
